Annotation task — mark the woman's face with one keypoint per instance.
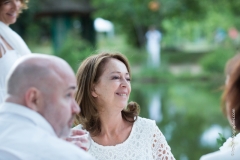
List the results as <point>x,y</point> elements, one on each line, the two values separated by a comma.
<point>9,10</point>
<point>113,88</point>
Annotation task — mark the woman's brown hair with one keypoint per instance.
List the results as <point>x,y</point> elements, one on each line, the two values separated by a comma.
<point>88,74</point>
<point>231,94</point>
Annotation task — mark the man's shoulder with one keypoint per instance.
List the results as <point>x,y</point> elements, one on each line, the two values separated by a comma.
<point>67,150</point>
<point>45,146</point>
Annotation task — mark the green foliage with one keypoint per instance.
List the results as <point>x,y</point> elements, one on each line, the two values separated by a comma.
<point>135,56</point>
<point>215,61</point>
<point>75,50</point>
<point>220,140</point>
<point>180,21</point>
<point>34,33</point>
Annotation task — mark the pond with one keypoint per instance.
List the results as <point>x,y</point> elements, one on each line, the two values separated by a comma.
<point>188,113</point>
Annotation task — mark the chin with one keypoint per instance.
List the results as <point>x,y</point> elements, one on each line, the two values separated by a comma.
<point>123,106</point>
<point>12,21</point>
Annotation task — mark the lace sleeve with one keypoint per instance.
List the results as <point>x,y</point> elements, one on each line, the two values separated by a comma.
<point>161,150</point>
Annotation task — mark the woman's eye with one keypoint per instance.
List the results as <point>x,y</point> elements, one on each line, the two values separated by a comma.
<point>115,77</point>
<point>128,79</point>
<point>5,2</point>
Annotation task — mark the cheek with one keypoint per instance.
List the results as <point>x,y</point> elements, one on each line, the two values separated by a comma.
<point>2,10</point>
<point>130,88</point>
<point>102,89</point>
<point>19,5</point>
<point>106,92</point>
<point>64,105</point>
<point>65,113</point>
<point>68,105</point>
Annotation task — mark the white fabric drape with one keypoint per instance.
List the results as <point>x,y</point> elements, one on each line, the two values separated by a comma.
<point>13,39</point>
<point>9,57</point>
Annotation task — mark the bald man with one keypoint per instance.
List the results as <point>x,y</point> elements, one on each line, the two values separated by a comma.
<point>39,111</point>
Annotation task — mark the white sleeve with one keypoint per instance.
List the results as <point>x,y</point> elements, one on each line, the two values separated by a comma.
<point>6,154</point>
<point>161,149</point>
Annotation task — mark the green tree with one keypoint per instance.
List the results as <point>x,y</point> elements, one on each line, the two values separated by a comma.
<point>183,17</point>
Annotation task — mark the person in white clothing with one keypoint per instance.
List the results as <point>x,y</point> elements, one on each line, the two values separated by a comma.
<point>154,37</point>
<point>230,149</point>
<point>117,132</point>
<point>39,111</point>
<point>12,45</point>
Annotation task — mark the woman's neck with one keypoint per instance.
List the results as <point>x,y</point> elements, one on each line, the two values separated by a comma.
<point>114,130</point>
<point>111,123</point>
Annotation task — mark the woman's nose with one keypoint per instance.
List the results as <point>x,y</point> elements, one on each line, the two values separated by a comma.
<point>124,83</point>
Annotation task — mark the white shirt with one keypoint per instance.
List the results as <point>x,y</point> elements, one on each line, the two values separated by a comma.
<point>145,142</point>
<point>26,135</point>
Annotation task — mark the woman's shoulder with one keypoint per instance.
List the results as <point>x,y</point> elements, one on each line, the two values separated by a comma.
<point>145,120</point>
<point>145,123</point>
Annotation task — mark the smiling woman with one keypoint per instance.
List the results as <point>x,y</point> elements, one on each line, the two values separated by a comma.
<point>116,130</point>
<point>10,10</point>
<point>12,45</point>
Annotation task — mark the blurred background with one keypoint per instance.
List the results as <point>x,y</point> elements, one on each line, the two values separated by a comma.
<point>183,93</point>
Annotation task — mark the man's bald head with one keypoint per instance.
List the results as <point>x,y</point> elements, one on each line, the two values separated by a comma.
<point>36,70</point>
<point>47,85</point>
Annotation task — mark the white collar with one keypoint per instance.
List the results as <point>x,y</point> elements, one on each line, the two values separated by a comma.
<point>23,111</point>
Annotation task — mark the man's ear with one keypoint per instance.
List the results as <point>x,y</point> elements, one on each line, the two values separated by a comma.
<point>33,98</point>
<point>93,92</point>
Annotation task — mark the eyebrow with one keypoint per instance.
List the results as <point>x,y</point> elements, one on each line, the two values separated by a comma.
<point>118,72</point>
<point>71,88</point>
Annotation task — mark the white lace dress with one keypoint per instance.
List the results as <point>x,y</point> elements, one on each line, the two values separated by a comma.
<point>145,142</point>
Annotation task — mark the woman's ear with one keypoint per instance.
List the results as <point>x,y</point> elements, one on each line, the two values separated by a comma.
<point>93,92</point>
